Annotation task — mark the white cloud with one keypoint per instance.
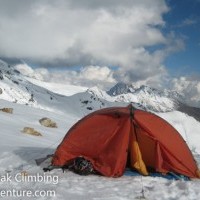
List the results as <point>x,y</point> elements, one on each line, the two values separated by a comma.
<point>97,73</point>
<point>87,76</point>
<point>85,32</point>
<point>40,73</point>
<point>190,21</point>
<point>189,87</point>
<point>24,69</point>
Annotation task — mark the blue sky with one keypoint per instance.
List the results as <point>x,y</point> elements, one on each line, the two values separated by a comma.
<point>184,20</point>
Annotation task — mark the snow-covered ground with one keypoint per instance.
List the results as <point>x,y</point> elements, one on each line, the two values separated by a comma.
<point>32,100</point>
<point>18,152</point>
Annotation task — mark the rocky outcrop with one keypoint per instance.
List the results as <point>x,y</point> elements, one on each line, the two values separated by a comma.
<point>1,91</point>
<point>31,131</point>
<point>7,110</point>
<point>48,122</point>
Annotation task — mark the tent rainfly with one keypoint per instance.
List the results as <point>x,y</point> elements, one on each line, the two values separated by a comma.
<point>112,137</point>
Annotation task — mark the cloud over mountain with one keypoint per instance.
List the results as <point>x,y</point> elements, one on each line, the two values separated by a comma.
<point>84,33</point>
<point>189,87</point>
<point>104,78</point>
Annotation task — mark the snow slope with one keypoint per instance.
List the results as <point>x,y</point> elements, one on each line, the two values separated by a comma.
<point>21,89</point>
<point>17,88</point>
<point>58,88</point>
<point>18,151</point>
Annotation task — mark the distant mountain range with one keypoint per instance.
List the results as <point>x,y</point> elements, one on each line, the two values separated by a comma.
<point>153,99</point>
<point>18,88</point>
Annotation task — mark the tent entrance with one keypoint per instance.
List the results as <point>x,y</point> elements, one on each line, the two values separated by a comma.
<point>142,151</point>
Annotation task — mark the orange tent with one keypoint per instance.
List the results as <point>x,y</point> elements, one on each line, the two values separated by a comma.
<point>110,136</point>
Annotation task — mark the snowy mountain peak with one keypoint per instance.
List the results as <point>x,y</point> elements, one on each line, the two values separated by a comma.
<point>124,88</point>
<point>146,97</point>
<point>121,88</point>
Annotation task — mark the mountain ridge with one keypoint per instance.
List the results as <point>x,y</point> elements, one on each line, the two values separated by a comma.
<point>17,88</point>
